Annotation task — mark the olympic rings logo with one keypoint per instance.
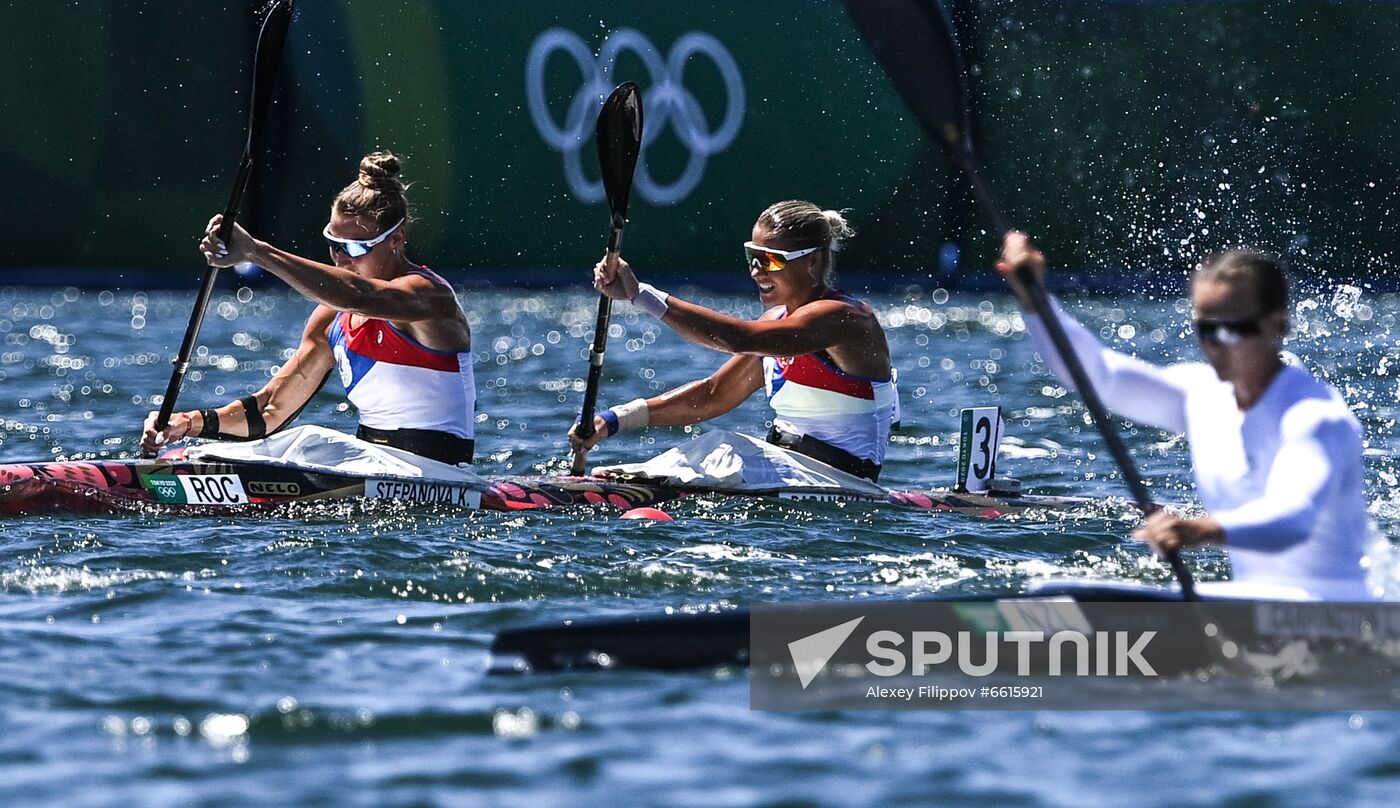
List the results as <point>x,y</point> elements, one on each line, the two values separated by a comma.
<point>668,103</point>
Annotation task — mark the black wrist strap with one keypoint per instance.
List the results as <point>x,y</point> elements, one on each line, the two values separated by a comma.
<point>257,427</point>
<point>210,417</point>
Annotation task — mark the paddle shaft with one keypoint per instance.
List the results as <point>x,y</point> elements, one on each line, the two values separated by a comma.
<point>597,352</point>
<point>961,154</point>
<point>619,137</point>
<point>267,58</point>
<point>206,289</point>
<point>1040,302</point>
<point>930,78</point>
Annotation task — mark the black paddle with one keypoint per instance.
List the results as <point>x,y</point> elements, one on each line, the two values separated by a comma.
<point>672,642</point>
<point>266,59</point>
<point>913,40</point>
<point>619,136</point>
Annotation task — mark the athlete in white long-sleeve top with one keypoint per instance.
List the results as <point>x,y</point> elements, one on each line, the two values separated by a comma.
<point>1275,451</point>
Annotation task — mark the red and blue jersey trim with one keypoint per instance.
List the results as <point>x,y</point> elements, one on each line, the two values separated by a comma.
<point>811,370</point>
<point>815,370</point>
<point>378,341</point>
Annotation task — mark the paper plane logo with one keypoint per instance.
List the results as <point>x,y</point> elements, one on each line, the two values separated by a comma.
<point>811,653</point>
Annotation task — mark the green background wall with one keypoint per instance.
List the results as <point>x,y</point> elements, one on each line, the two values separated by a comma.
<point>1120,134</point>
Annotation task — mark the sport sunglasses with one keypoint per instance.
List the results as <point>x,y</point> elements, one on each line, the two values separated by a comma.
<point>771,260</point>
<point>352,247</point>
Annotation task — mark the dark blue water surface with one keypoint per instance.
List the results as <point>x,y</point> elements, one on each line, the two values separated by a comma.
<point>336,655</point>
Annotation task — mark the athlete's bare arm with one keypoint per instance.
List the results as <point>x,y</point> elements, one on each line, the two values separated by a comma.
<point>693,402</point>
<point>281,399</point>
<point>710,397</point>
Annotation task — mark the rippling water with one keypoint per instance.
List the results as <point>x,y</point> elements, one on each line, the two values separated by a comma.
<point>335,655</point>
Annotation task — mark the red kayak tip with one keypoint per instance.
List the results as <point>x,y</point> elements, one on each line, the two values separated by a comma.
<point>648,513</point>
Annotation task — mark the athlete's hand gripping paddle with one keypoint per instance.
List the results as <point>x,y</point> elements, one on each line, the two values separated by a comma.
<point>619,136</point>
<point>913,41</point>
<point>266,60</point>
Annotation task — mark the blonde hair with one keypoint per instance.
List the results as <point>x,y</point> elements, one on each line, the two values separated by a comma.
<point>805,225</point>
<point>377,193</point>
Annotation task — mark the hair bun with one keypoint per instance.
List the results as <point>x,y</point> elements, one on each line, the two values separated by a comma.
<point>840,228</point>
<point>379,169</point>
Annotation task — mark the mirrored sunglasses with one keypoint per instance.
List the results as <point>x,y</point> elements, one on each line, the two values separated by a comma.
<point>769,259</point>
<point>353,247</point>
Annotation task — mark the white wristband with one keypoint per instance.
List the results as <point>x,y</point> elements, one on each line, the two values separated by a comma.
<point>651,300</point>
<point>632,415</point>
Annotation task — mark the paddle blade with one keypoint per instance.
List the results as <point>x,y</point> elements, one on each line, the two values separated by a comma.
<point>267,59</point>
<point>619,135</point>
<point>913,41</point>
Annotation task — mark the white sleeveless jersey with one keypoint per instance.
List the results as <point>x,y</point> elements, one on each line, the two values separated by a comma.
<point>398,383</point>
<point>1284,477</point>
<point>811,396</point>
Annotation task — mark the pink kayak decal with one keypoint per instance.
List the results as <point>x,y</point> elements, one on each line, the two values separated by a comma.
<point>13,474</point>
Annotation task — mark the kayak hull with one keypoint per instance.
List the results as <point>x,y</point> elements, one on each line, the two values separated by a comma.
<point>115,486</point>
<point>204,486</point>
